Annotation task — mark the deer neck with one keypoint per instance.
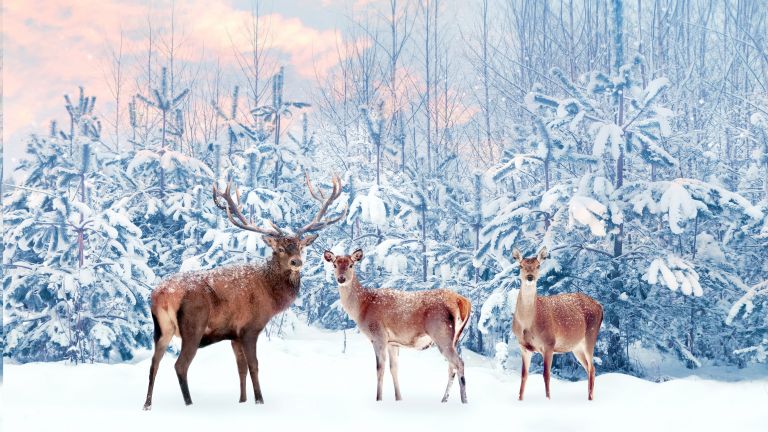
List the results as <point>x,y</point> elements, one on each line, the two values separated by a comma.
<point>284,284</point>
<point>350,296</point>
<point>525,311</point>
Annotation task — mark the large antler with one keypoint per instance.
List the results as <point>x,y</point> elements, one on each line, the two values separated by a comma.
<point>235,214</point>
<point>318,223</point>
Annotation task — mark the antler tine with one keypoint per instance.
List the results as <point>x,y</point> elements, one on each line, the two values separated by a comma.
<point>317,223</point>
<point>322,224</point>
<point>275,227</point>
<point>235,214</point>
<point>234,207</point>
<point>336,181</point>
<point>320,198</point>
<point>322,194</point>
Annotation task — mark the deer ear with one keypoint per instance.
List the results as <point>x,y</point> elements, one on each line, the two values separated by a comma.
<point>516,254</point>
<point>329,256</point>
<point>308,240</point>
<point>357,255</point>
<point>543,254</point>
<point>271,241</point>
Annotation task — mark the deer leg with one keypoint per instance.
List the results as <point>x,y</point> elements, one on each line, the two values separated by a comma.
<point>451,377</point>
<point>242,367</point>
<point>586,363</point>
<point>547,369</point>
<point>380,350</point>
<point>589,354</point>
<point>394,351</point>
<point>582,359</point>
<point>462,380</point>
<point>162,339</point>
<point>591,373</point>
<point>458,365</point>
<point>589,350</point>
<point>191,318</point>
<point>526,356</point>
<point>188,350</point>
<point>249,348</point>
<point>441,330</point>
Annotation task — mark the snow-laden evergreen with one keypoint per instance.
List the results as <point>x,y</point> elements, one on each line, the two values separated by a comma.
<point>79,276</point>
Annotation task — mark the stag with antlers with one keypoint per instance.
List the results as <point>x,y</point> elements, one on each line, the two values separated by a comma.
<point>234,303</point>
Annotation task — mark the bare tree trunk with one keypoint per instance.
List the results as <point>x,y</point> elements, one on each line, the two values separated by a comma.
<point>80,231</point>
<point>277,105</point>
<point>486,82</point>
<point>162,152</point>
<point>428,87</point>
<point>424,260</point>
<point>618,60</point>
<point>116,87</point>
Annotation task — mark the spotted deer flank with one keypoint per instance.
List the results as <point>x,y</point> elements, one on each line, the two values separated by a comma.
<point>392,319</point>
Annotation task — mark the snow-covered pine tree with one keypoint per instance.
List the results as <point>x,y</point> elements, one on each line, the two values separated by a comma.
<point>79,286</point>
<point>748,315</point>
<point>421,218</point>
<point>283,154</point>
<point>167,189</point>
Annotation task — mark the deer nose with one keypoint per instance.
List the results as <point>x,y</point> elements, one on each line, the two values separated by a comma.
<point>341,279</point>
<point>296,262</point>
<point>529,277</point>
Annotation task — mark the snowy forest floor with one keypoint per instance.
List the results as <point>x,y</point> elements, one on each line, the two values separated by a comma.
<point>309,384</point>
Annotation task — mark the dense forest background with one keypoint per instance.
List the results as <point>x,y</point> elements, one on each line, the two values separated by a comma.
<point>630,137</point>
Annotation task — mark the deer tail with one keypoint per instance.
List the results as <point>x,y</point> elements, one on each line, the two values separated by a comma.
<point>464,309</point>
<point>165,307</point>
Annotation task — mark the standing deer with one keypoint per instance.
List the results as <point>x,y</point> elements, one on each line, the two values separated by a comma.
<point>392,319</point>
<point>233,303</point>
<point>553,324</point>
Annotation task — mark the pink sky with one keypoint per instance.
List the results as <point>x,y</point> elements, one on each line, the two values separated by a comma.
<point>50,47</point>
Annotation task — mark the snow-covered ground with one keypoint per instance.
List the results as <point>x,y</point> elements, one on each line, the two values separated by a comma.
<point>309,384</point>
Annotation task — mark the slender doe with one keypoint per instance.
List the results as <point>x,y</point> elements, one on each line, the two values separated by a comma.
<point>553,324</point>
<point>392,319</point>
<point>233,303</point>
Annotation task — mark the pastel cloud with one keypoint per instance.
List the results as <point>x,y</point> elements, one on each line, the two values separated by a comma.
<point>50,49</point>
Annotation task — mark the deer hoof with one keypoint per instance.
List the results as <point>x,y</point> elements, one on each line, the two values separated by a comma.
<point>259,401</point>
<point>147,408</point>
